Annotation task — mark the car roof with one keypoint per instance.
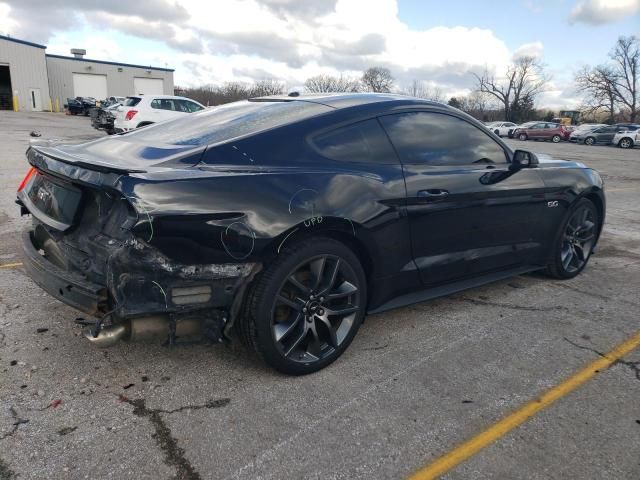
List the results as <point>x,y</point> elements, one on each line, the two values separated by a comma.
<point>345,100</point>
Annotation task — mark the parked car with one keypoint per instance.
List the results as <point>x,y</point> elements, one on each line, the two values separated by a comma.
<point>581,129</point>
<point>80,105</point>
<point>290,218</point>
<point>627,139</point>
<point>543,131</point>
<point>109,101</point>
<point>142,110</point>
<point>501,128</point>
<point>512,133</point>
<point>603,135</point>
<point>103,118</point>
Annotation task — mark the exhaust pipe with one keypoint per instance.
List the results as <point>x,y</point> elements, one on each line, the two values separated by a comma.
<point>108,336</point>
<point>143,329</point>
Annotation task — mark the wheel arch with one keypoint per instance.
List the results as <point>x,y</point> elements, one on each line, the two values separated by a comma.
<point>347,232</point>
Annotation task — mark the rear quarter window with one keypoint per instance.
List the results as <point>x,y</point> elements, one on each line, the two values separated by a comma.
<point>364,142</point>
<point>228,122</point>
<point>132,101</point>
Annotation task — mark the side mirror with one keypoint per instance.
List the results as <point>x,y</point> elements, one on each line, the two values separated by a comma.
<point>523,159</point>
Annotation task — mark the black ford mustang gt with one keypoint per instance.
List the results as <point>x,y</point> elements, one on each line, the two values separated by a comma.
<point>290,218</point>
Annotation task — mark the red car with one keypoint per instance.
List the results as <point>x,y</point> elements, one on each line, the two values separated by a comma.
<point>543,131</point>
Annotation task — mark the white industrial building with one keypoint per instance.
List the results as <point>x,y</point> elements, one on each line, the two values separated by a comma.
<point>31,79</point>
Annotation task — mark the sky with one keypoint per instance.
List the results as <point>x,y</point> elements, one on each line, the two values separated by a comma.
<point>438,42</point>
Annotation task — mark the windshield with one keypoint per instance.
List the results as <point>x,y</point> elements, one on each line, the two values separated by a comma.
<point>228,121</point>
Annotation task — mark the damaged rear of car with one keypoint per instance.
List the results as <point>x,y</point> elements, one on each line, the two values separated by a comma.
<point>92,246</point>
<point>131,233</point>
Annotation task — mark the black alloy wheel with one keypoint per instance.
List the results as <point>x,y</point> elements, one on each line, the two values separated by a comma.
<point>577,239</point>
<point>307,306</point>
<point>315,309</point>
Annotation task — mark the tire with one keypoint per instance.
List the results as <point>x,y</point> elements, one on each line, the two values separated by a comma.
<point>574,242</point>
<point>590,141</point>
<point>144,124</point>
<point>556,139</point>
<point>625,143</point>
<point>497,132</point>
<point>286,319</point>
<point>522,136</point>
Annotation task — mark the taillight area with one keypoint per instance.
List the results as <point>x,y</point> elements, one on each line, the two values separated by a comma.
<point>32,171</point>
<point>130,114</point>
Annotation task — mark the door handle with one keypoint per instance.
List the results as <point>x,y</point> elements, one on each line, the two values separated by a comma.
<point>432,194</point>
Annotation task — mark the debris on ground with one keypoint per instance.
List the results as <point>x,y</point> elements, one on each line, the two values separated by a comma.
<point>35,134</point>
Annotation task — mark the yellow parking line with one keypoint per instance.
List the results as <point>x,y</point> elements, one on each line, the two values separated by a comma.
<point>472,446</point>
<point>11,265</point>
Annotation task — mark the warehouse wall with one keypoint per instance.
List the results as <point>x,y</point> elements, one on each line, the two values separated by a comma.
<point>28,70</point>
<point>119,76</point>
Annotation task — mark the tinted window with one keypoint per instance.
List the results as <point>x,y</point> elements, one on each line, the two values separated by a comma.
<point>439,139</point>
<point>223,123</point>
<point>165,104</point>
<point>359,142</point>
<point>132,101</point>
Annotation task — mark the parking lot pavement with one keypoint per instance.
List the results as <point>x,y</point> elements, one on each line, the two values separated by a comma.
<point>416,381</point>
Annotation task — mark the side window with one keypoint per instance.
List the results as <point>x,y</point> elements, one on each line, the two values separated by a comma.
<point>440,139</point>
<point>191,106</point>
<point>359,142</point>
<point>155,103</point>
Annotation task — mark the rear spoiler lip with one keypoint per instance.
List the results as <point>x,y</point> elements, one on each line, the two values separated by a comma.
<point>95,166</point>
<point>73,171</point>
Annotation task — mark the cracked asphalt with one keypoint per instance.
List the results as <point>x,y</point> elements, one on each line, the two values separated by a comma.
<point>415,382</point>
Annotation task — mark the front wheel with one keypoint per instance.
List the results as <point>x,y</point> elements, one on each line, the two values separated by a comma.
<point>306,307</point>
<point>589,141</point>
<point>556,138</point>
<point>522,136</point>
<point>575,241</point>
<point>625,143</point>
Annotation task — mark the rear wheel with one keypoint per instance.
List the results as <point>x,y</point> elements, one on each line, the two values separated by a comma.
<point>522,136</point>
<point>555,138</point>
<point>306,307</point>
<point>625,143</point>
<point>575,241</point>
<point>589,141</point>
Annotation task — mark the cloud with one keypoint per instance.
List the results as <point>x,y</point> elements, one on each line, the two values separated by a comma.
<point>599,12</point>
<point>533,49</point>
<point>290,40</point>
<point>37,20</point>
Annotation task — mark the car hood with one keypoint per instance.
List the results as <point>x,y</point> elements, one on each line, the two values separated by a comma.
<point>546,161</point>
<point>120,153</point>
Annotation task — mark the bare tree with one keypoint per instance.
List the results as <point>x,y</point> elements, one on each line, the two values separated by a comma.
<point>270,86</point>
<point>233,91</point>
<point>377,79</point>
<point>329,83</point>
<point>420,89</point>
<point>598,85</point>
<point>524,80</point>
<point>626,69</point>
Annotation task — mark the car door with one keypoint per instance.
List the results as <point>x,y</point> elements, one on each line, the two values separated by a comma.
<point>605,134</point>
<point>535,131</point>
<point>469,213</point>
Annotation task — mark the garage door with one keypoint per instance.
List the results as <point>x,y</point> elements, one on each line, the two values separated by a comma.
<point>89,85</point>
<point>148,86</point>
